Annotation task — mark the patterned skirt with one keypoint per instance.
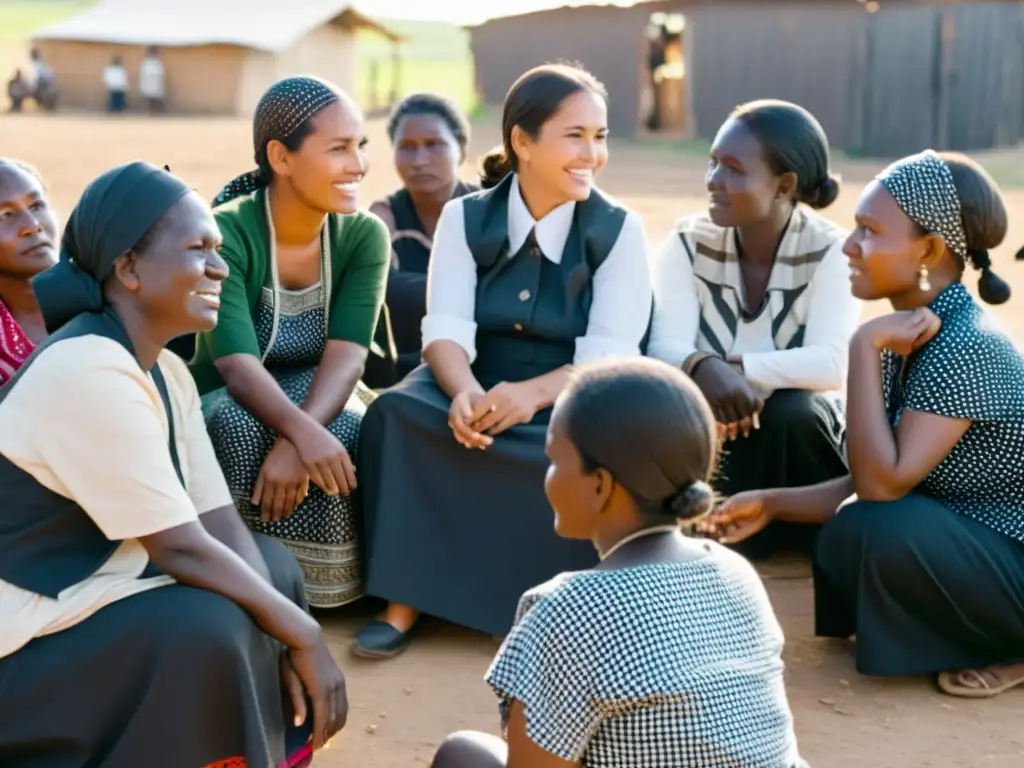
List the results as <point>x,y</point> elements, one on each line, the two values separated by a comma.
<point>322,533</point>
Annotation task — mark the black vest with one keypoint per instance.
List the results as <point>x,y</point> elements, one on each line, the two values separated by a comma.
<point>47,542</point>
<point>530,311</point>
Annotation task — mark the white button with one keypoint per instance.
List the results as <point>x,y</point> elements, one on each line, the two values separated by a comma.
<point>524,295</point>
<point>518,326</point>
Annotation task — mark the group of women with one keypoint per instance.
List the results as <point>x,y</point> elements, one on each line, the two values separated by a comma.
<point>167,528</point>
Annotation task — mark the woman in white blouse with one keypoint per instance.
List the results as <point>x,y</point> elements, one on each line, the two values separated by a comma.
<point>753,300</point>
<point>538,273</point>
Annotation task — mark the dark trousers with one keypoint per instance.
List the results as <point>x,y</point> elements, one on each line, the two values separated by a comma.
<point>117,101</point>
<point>800,442</point>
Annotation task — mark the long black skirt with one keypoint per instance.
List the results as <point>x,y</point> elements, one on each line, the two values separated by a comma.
<point>454,532</point>
<point>174,677</point>
<point>925,590</point>
<point>800,442</point>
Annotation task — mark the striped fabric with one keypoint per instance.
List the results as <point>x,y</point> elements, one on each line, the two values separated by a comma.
<point>713,253</point>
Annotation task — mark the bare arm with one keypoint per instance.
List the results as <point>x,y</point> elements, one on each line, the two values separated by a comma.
<point>195,558</point>
<point>522,752</point>
<point>811,504</point>
<point>886,465</point>
<point>450,365</point>
<point>226,526</point>
<point>252,387</point>
<point>335,379</point>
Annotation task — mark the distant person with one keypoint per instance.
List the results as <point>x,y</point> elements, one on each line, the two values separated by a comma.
<point>428,135</point>
<point>921,556</point>
<point>752,300</point>
<point>115,80</point>
<point>665,655</point>
<point>140,622</point>
<point>280,374</point>
<point>41,73</point>
<point>28,246</point>
<point>151,81</point>
<point>656,57</point>
<point>17,90</point>
<point>538,273</point>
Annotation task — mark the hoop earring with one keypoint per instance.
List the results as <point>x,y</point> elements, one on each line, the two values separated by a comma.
<point>923,283</point>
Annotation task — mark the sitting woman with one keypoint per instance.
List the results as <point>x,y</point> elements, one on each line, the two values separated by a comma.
<point>140,622</point>
<point>429,135</point>
<point>28,238</point>
<point>279,375</point>
<point>926,565</point>
<point>540,272</point>
<point>668,652</point>
<point>753,300</point>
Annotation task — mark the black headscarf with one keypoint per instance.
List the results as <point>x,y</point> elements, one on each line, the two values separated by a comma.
<point>113,214</point>
<point>281,110</point>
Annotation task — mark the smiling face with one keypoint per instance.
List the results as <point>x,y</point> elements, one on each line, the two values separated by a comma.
<point>176,278</point>
<point>427,154</point>
<point>28,226</point>
<point>325,171</point>
<point>886,250</point>
<point>742,189</point>
<point>570,149</point>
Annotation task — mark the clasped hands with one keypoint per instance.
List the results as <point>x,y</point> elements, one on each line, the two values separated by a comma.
<point>283,481</point>
<point>476,417</point>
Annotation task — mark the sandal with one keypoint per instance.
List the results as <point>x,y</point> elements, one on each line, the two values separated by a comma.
<point>380,640</point>
<point>950,682</point>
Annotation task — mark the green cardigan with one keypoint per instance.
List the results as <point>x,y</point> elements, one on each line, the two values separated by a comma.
<point>360,257</point>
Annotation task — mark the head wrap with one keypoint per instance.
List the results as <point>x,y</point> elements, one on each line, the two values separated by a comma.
<point>113,214</point>
<point>281,110</point>
<point>923,186</point>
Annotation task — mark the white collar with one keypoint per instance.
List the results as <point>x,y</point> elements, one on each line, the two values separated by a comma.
<point>552,230</point>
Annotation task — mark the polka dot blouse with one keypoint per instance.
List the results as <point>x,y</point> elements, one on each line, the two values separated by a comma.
<point>970,370</point>
<point>669,664</point>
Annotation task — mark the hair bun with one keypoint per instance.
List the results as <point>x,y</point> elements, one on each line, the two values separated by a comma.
<point>691,501</point>
<point>494,166</point>
<point>825,194</point>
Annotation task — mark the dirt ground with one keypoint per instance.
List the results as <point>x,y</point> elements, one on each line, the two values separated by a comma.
<point>402,709</point>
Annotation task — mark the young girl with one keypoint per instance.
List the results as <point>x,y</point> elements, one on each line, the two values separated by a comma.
<point>540,272</point>
<point>926,567</point>
<point>665,654</point>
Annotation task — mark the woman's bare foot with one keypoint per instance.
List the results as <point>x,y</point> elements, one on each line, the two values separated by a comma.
<point>399,616</point>
<point>983,683</point>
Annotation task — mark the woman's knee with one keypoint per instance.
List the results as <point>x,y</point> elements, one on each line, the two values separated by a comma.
<point>469,749</point>
<point>795,410</point>
<point>285,572</point>
<point>877,534</point>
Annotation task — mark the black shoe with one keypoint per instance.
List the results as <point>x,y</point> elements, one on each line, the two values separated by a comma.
<point>380,640</point>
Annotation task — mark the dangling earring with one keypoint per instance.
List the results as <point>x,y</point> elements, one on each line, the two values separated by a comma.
<point>922,279</point>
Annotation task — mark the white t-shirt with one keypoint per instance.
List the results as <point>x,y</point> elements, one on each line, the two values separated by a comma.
<point>151,78</point>
<point>115,78</point>
<point>104,444</point>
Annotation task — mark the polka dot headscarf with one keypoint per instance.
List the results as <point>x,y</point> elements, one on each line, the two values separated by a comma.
<point>923,186</point>
<point>283,108</point>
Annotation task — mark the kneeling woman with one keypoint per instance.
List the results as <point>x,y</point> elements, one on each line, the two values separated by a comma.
<point>140,622</point>
<point>926,566</point>
<point>753,300</point>
<point>537,273</point>
<point>279,375</point>
<point>665,654</point>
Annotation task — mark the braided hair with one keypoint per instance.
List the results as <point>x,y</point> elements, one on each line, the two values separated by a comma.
<point>284,113</point>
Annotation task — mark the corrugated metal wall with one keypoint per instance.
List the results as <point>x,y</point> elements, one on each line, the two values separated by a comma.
<point>912,75</point>
<point>608,41</point>
<point>883,84</point>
